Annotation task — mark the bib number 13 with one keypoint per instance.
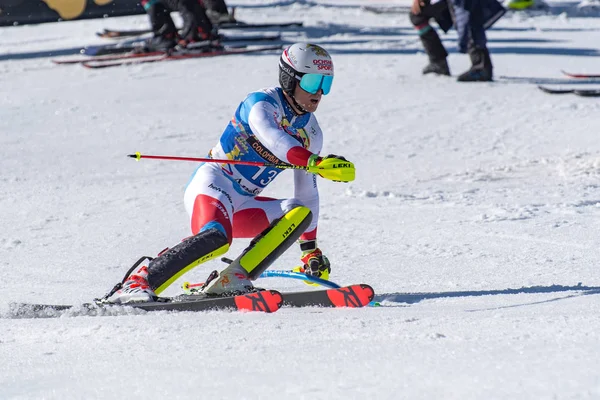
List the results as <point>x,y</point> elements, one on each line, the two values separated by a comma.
<point>264,182</point>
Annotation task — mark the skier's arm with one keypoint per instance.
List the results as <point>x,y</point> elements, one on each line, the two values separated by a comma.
<point>305,190</point>
<point>264,119</point>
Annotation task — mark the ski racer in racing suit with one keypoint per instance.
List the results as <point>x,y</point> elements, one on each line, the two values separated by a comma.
<point>275,126</point>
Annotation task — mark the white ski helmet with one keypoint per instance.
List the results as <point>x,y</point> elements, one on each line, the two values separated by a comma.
<point>301,59</point>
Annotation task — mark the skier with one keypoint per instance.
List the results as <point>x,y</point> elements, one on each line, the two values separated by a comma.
<point>274,125</point>
<point>196,25</point>
<point>471,19</point>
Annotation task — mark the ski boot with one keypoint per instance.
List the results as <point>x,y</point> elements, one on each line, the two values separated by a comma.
<point>231,281</point>
<point>134,288</point>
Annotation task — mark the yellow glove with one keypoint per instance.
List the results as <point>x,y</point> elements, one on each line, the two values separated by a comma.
<point>332,167</point>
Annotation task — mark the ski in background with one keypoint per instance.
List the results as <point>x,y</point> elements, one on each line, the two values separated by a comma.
<point>133,57</point>
<point>386,9</point>
<point>576,91</point>
<point>546,81</point>
<point>119,34</point>
<point>580,76</point>
<point>82,59</point>
<point>129,59</point>
<point>138,46</point>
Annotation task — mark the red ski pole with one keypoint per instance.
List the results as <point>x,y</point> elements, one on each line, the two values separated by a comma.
<point>138,156</point>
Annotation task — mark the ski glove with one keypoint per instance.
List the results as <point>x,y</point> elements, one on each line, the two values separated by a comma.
<point>332,167</point>
<point>315,263</point>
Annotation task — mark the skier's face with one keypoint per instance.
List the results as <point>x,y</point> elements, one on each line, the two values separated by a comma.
<point>308,101</point>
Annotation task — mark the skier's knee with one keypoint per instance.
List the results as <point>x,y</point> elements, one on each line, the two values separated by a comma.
<point>289,204</point>
<point>218,226</point>
<point>274,241</point>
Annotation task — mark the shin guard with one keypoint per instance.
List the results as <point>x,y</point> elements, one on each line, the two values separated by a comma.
<point>273,241</point>
<point>170,265</point>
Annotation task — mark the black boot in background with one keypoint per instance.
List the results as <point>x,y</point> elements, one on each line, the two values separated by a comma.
<point>165,42</point>
<point>165,32</point>
<point>481,68</point>
<point>436,52</point>
<point>217,11</point>
<point>437,67</point>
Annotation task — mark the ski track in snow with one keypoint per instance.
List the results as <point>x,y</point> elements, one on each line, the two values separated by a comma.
<point>474,216</point>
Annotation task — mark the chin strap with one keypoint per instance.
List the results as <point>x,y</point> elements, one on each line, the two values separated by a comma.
<point>295,103</point>
<point>298,106</point>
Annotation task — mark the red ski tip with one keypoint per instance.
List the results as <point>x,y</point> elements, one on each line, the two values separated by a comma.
<point>266,301</point>
<point>351,296</point>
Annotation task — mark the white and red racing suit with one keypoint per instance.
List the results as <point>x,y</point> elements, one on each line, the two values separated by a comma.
<point>264,129</point>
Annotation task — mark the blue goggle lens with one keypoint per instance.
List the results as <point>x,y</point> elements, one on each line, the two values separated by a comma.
<point>313,82</point>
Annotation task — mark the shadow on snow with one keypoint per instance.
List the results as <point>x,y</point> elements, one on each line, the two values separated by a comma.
<point>412,298</point>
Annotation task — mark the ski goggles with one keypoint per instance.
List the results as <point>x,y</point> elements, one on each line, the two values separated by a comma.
<point>311,83</point>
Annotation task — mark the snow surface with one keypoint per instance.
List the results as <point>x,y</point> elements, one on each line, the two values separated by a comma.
<point>475,216</point>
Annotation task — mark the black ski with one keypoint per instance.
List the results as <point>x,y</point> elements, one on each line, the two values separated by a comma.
<point>268,301</point>
<point>587,92</point>
<point>263,301</point>
<point>348,296</point>
<point>247,25</point>
<point>578,92</point>
<point>547,81</point>
<point>118,34</point>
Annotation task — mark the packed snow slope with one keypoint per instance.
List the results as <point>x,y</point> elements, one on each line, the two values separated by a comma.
<point>475,215</point>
